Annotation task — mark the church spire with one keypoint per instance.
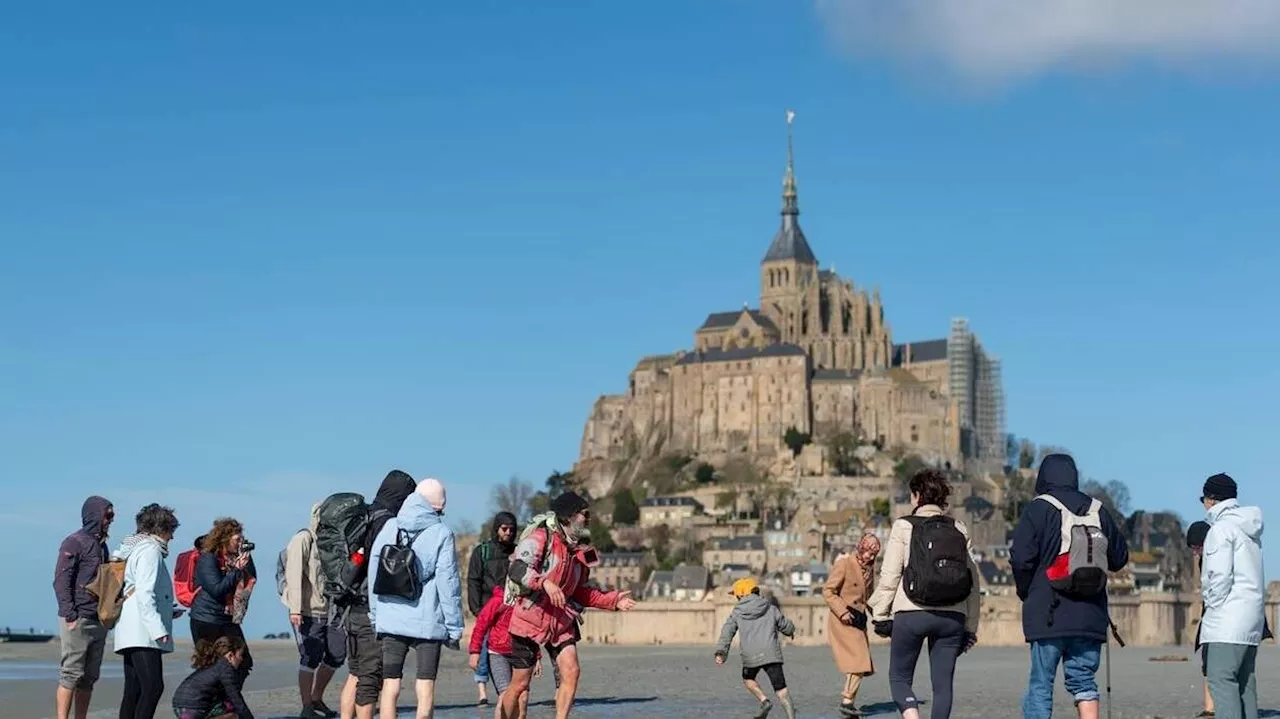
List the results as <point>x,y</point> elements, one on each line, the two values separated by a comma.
<point>790,204</point>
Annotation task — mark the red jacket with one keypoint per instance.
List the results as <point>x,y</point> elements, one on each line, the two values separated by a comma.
<point>534,617</point>
<point>494,620</point>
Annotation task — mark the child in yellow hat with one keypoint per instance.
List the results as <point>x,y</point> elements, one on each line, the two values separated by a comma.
<point>759,622</point>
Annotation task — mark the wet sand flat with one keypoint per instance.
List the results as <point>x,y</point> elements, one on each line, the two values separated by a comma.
<point>669,681</point>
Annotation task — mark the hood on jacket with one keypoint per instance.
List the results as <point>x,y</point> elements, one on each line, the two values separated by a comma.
<point>134,542</point>
<point>502,519</point>
<point>92,512</point>
<point>752,606</point>
<point>417,514</point>
<point>314,525</point>
<point>395,488</point>
<point>1058,476</point>
<point>1057,472</point>
<point>1248,519</point>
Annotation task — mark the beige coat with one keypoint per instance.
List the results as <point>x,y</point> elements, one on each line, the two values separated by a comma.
<point>889,597</point>
<point>303,584</point>
<point>848,586</point>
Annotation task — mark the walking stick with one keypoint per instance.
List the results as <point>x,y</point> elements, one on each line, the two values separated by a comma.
<point>1115,633</point>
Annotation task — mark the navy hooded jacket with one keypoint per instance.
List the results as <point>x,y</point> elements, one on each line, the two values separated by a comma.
<point>1037,540</point>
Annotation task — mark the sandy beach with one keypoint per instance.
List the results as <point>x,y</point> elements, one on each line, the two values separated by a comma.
<point>672,682</point>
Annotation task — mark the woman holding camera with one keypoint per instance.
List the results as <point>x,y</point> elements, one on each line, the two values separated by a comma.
<point>225,566</point>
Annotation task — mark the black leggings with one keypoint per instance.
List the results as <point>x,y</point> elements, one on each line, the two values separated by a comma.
<point>212,632</point>
<point>945,632</point>
<point>143,683</point>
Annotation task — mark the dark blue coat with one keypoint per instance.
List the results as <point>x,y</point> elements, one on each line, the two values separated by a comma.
<point>216,587</point>
<point>1037,541</point>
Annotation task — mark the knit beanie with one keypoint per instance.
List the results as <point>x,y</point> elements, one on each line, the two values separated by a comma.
<point>433,491</point>
<point>1220,487</point>
<point>568,504</point>
<point>1196,534</point>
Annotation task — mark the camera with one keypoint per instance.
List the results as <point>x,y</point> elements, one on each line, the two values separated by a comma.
<point>246,547</point>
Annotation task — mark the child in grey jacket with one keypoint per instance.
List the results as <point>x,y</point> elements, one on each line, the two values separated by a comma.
<point>759,622</point>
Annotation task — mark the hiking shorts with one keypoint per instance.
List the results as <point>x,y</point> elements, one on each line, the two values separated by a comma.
<point>364,656</point>
<point>83,644</point>
<point>320,642</point>
<point>774,671</point>
<point>499,672</point>
<point>395,648</point>
<point>524,652</point>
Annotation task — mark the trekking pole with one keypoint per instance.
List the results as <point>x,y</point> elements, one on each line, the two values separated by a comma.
<point>1108,679</point>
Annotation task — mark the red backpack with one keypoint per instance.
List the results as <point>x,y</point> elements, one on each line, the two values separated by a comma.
<point>184,578</point>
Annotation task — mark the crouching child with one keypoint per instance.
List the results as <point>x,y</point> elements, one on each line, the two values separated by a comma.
<point>759,623</point>
<point>212,691</point>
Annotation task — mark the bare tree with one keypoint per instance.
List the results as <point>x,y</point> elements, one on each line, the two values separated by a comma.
<point>513,496</point>
<point>464,527</point>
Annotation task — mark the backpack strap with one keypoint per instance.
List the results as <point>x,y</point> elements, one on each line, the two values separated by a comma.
<point>1071,520</point>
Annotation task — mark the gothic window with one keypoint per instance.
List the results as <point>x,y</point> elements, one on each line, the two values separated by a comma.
<point>804,321</point>
<point>824,311</point>
<point>915,436</point>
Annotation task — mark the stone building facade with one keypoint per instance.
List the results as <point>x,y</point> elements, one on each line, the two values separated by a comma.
<point>817,354</point>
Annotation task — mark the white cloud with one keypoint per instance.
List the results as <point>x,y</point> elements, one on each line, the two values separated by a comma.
<point>993,41</point>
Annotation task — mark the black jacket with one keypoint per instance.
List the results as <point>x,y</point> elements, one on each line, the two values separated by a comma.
<point>395,488</point>
<point>210,687</point>
<point>1046,613</point>
<point>216,588</point>
<point>488,565</point>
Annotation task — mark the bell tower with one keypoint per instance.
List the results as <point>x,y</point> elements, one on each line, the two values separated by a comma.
<point>789,268</point>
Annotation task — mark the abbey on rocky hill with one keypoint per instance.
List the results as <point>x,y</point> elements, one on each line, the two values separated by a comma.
<point>817,355</point>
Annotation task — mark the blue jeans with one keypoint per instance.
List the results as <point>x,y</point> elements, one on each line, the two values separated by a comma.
<point>482,671</point>
<point>1079,657</point>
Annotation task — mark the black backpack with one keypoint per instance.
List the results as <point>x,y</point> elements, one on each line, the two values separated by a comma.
<point>937,571</point>
<point>398,573</point>
<point>340,532</point>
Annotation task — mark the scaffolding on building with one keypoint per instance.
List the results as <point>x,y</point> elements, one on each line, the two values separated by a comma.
<point>976,388</point>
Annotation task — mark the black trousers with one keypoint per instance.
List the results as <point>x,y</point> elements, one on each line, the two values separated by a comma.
<point>945,633</point>
<point>212,632</point>
<point>143,683</point>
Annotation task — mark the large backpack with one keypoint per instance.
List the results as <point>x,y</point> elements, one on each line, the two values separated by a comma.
<point>341,530</point>
<point>937,572</point>
<point>398,572</point>
<point>185,587</point>
<point>282,560</point>
<point>1080,569</point>
<point>547,521</point>
<point>108,586</point>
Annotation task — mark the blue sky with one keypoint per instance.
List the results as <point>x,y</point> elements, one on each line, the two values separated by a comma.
<point>253,256</point>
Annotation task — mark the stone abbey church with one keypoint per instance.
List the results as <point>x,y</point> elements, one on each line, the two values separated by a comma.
<point>817,355</point>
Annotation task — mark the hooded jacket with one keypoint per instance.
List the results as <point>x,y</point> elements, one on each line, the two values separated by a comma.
<point>759,623</point>
<point>494,624</point>
<point>1037,540</point>
<point>79,557</point>
<point>545,554</point>
<point>489,564</point>
<point>437,612</point>
<point>1231,577</point>
<point>303,587</point>
<point>147,613</point>
<point>395,488</point>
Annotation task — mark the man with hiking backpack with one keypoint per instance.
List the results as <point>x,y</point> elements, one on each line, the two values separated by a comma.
<point>346,589</point>
<point>1064,546</point>
<point>84,638</point>
<point>322,645</point>
<point>487,570</point>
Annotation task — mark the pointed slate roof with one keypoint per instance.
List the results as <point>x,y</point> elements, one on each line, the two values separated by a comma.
<point>789,243</point>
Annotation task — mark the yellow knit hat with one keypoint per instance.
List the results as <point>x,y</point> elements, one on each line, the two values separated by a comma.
<point>743,587</point>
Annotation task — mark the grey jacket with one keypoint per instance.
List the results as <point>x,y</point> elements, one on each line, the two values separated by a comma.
<point>759,623</point>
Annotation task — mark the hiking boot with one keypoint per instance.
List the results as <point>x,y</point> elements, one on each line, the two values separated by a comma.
<point>766,706</point>
<point>319,706</point>
<point>312,713</point>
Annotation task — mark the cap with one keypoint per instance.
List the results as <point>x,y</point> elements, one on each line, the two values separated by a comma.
<point>1220,487</point>
<point>743,587</point>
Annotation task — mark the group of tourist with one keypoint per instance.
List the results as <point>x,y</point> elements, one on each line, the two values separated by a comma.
<point>396,587</point>
<point>1064,546</point>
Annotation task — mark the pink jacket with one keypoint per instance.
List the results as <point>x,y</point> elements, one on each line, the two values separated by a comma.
<point>534,617</point>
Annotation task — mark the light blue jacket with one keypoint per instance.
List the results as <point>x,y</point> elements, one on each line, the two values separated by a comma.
<point>437,613</point>
<point>1231,577</point>
<point>147,613</point>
